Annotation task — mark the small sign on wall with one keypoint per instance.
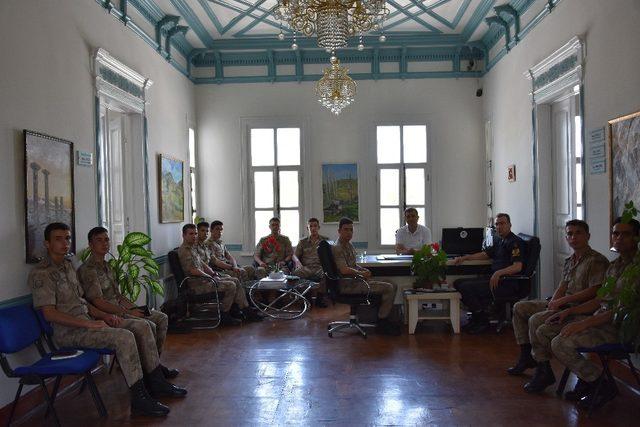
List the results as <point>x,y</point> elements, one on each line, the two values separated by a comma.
<point>85,158</point>
<point>511,173</point>
<point>596,151</point>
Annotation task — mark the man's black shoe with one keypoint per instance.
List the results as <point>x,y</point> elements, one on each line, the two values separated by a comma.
<point>160,387</point>
<point>321,302</point>
<point>169,373</point>
<point>606,392</point>
<point>227,320</point>
<point>236,313</point>
<point>252,315</point>
<point>582,389</point>
<point>143,404</point>
<point>524,362</point>
<point>542,378</point>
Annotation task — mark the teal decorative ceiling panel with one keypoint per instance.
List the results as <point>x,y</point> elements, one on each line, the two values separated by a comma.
<point>219,33</point>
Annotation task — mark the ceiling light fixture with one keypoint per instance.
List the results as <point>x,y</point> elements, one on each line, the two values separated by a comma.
<point>335,90</point>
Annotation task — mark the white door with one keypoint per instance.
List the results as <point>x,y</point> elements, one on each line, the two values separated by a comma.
<point>564,194</point>
<point>116,177</point>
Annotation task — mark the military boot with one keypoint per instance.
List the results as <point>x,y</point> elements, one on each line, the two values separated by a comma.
<point>321,301</point>
<point>542,378</point>
<point>582,389</point>
<point>524,362</point>
<point>480,323</point>
<point>169,373</point>
<point>226,319</point>
<point>143,404</point>
<point>160,387</point>
<point>252,314</point>
<point>606,392</point>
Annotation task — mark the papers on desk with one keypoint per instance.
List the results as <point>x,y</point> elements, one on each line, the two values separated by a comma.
<point>267,280</point>
<point>394,257</point>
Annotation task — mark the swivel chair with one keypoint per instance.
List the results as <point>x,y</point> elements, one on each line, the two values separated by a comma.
<point>333,278</point>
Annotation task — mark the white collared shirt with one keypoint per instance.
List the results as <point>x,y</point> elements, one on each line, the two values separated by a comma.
<point>416,240</point>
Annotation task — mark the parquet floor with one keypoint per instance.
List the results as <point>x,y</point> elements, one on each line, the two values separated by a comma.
<point>291,373</point>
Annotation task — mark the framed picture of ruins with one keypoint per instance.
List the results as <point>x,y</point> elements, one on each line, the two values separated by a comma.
<point>49,192</point>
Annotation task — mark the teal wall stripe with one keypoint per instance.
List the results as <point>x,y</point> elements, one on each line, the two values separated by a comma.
<point>360,245</point>
<point>234,247</point>
<point>24,299</point>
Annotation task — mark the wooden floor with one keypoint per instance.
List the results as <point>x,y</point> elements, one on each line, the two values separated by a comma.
<point>291,373</point>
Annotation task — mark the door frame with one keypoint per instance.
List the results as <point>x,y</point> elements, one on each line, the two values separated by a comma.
<point>556,77</point>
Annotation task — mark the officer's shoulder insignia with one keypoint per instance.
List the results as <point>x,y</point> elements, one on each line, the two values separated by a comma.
<point>515,252</point>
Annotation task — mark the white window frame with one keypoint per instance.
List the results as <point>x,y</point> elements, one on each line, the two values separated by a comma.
<point>304,176</point>
<point>194,185</point>
<point>401,166</point>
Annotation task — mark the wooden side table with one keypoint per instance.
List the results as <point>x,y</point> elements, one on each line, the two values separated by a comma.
<point>450,310</point>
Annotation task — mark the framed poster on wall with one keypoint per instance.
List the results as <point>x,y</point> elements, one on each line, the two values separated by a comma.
<point>49,190</point>
<point>171,186</point>
<point>624,152</point>
<point>340,192</point>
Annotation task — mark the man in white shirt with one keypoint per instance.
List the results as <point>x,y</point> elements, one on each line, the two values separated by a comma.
<point>412,236</point>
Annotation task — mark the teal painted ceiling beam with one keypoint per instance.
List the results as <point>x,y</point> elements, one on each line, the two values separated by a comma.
<point>414,17</point>
<point>253,23</point>
<point>244,14</point>
<point>476,19</point>
<point>237,9</point>
<point>153,14</point>
<point>192,21</point>
<point>211,14</point>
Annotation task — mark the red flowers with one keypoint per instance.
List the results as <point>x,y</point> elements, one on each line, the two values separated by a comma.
<point>435,246</point>
<point>270,244</point>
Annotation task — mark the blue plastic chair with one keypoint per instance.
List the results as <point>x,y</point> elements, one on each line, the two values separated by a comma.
<point>606,353</point>
<point>19,329</point>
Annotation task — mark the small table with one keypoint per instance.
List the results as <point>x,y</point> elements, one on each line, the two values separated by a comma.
<point>450,310</point>
<point>290,302</point>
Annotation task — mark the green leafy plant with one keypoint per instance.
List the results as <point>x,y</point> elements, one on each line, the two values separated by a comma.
<point>625,300</point>
<point>134,266</point>
<point>429,264</point>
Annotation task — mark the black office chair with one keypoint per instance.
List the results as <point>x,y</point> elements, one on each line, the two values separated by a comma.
<point>200,307</point>
<point>524,280</point>
<point>333,278</point>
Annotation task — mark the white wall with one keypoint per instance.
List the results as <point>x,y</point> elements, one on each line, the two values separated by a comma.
<point>448,106</point>
<point>611,88</point>
<point>46,86</point>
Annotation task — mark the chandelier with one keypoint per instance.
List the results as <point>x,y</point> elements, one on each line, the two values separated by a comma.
<point>335,90</point>
<point>334,21</point>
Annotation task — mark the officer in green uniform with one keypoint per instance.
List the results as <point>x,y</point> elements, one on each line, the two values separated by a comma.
<point>582,275</point>
<point>274,250</point>
<point>306,261</point>
<point>222,258</point>
<point>597,328</point>
<point>344,255</point>
<point>57,292</point>
<point>101,289</point>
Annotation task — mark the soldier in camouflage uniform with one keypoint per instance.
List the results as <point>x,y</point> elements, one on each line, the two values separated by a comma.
<point>222,258</point>
<point>273,250</point>
<point>344,255</point>
<point>597,328</point>
<point>57,292</point>
<point>306,261</point>
<point>582,275</point>
<point>193,264</point>
<point>101,289</point>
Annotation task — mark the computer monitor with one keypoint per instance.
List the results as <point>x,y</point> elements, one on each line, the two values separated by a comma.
<point>462,241</point>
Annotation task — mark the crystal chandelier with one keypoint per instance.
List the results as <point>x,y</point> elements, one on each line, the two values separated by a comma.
<point>334,21</point>
<point>335,90</point>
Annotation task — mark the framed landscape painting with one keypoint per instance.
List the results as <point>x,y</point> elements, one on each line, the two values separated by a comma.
<point>340,192</point>
<point>624,151</point>
<point>49,191</point>
<point>171,185</point>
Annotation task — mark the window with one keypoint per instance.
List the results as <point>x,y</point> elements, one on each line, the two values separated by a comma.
<point>275,176</point>
<point>402,176</point>
<point>579,169</point>
<point>192,174</point>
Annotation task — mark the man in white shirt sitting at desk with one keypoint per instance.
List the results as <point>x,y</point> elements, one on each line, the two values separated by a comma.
<point>412,236</point>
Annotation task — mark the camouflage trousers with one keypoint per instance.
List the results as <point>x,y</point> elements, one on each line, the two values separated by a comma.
<point>245,273</point>
<point>522,312</point>
<point>231,286</point>
<point>542,334</point>
<point>159,323</point>
<point>312,273</point>
<point>564,348</point>
<point>133,343</point>
<point>386,290</point>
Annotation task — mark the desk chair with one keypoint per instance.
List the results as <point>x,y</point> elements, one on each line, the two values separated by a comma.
<point>199,307</point>
<point>333,279</point>
<point>524,280</point>
<point>606,353</point>
<point>19,329</point>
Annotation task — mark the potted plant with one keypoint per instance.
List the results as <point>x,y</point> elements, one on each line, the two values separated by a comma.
<point>428,265</point>
<point>134,266</point>
<point>625,300</point>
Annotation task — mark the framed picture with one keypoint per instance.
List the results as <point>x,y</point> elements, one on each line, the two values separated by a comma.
<point>340,192</point>
<point>48,190</point>
<point>624,154</point>
<point>511,173</point>
<point>171,186</point>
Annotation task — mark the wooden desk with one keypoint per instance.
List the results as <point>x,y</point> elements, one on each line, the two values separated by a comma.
<point>450,310</point>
